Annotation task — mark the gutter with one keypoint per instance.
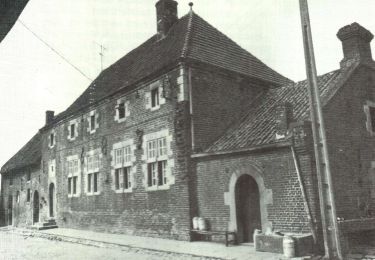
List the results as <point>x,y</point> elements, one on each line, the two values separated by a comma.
<point>244,150</point>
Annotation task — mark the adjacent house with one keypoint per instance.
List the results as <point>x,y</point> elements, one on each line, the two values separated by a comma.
<point>190,124</point>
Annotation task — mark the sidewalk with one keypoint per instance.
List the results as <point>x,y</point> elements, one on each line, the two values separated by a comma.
<point>198,248</point>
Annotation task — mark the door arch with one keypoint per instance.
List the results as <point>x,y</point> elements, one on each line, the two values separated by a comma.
<point>265,195</point>
<point>52,200</point>
<point>247,208</point>
<point>36,207</point>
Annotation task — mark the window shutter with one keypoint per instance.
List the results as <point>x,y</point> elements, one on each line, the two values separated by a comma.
<point>148,99</point>
<point>162,93</point>
<point>127,111</point>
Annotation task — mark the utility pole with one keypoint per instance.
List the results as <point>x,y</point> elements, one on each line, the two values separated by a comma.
<point>330,228</point>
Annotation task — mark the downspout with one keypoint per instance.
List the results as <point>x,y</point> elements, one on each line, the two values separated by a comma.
<point>303,191</point>
<point>191,110</point>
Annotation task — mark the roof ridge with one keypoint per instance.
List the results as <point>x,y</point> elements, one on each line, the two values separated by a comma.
<point>188,34</point>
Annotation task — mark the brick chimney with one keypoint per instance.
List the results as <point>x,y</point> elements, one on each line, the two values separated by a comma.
<point>166,16</point>
<point>355,44</point>
<point>284,117</point>
<point>50,115</point>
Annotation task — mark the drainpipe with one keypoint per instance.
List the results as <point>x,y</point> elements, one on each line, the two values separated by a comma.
<point>191,110</point>
<point>303,191</point>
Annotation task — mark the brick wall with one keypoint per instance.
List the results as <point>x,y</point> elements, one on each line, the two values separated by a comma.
<point>286,212</point>
<point>164,213</point>
<point>219,100</point>
<point>23,210</point>
<point>351,146</point>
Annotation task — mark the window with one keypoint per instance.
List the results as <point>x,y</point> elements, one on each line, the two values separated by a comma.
<point>72,130</point>
<point>122,164</point>
<point>18,197</point>
<point>156,168</point>
<point>155,97</point>
<point>52,140</point>
<point>73,174</point>
<point>28,195</point>
<point>10,181</point>
<point>92,122</point>
<point>123,178</point>
<point>93,164</point>
<point>121,110</point>
<point>28,176</point>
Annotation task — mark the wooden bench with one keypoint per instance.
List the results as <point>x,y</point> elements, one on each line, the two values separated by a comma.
<point>206,234</point>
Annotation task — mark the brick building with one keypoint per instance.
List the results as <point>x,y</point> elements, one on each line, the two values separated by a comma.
<point>190,124</point>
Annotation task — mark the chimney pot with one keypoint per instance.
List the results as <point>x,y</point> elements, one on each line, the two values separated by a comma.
<point>166,16</point>
<point>50,115</point>
<point>355,44</point>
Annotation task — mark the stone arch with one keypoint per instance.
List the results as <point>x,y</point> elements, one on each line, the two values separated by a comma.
<point>264,194</point>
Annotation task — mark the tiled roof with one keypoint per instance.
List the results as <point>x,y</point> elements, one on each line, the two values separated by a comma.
<point>190,38</point>
<point>28,155</point>
<point>9,13</point>
<point>258,127</point>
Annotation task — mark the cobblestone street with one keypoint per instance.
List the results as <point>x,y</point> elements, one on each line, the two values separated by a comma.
<point>14,246</point>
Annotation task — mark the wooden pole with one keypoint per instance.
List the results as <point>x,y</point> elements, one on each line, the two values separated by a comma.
<point>331,236</point>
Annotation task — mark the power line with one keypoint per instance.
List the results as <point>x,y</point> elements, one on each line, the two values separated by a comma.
<point>54,50</point>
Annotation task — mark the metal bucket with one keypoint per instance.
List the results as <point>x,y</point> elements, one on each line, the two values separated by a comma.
<point>289,247</point>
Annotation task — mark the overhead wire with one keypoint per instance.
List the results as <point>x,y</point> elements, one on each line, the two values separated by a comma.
<point>54,50</point>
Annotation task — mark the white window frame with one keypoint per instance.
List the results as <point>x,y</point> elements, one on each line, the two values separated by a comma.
<point>156,151</point>
<point>123,157</point>
<point>148,95</point>
<point>117,111</point>
<point>93,157</point>
<point>75,123</point>
<point>90,129</point>
<point>73,170</point>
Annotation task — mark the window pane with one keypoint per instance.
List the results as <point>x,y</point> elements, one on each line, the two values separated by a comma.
<point>89,182</point>
<point>72,130</point>
<point>118,156</point>
<point>155,97</point>
<point>96,181</point>
<point>149,174</point>
<point>69,185</point>
<point>127,180</point>
<point>75,185</point>
<point>117,179</point>
<point>92,122</point>
<point>127,154</point>
<point>28,195</point>
<point>121,110</point>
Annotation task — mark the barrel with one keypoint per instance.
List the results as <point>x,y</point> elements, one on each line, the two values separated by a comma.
<point>289,247</point>
<point>195,223</point>
<point>202,224</point>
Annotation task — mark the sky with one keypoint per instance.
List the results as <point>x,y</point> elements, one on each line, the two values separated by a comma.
<point>33,78</point>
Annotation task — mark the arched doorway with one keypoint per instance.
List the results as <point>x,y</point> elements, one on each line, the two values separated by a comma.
<point>51,200</point>
<point>36,207</point>
<point>248,212</point>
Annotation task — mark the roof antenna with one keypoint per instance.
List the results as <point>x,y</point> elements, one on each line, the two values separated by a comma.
<point>191,6</point>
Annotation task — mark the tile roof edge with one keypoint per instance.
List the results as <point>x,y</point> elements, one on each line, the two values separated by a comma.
<point>185,48</point>
<point>2,170</point>
<point>282,144</point>
<point>340,82</point>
